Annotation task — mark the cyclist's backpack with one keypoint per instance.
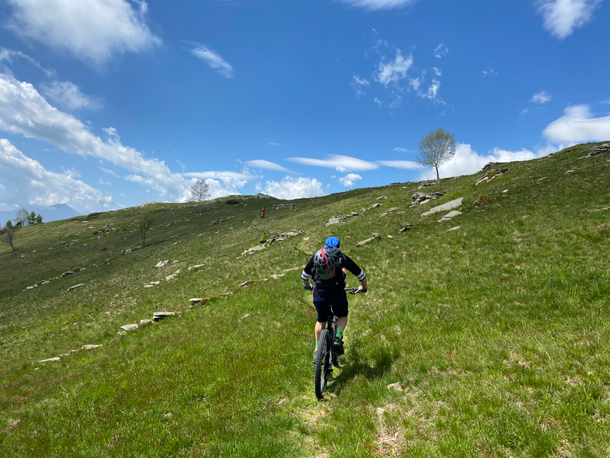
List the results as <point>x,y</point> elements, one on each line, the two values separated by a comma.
<point>327,268</point>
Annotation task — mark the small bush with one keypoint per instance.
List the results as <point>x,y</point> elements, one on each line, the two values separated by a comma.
<point>491,174</point>
<point>483,199</point>
<point>231,201</point>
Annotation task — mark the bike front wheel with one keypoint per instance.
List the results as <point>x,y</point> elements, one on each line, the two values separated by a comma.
<point>322,364</point>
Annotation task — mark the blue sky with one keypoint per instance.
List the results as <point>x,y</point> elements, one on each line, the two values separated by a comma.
<point>112,103</point>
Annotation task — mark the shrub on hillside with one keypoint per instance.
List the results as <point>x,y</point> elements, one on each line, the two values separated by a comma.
<point>483,199</point>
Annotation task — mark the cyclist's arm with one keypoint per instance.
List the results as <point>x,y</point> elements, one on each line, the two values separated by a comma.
<point>307,273</point>
<point>357,271</point>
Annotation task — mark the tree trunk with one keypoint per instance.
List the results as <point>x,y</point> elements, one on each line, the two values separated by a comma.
<point>437,177</point>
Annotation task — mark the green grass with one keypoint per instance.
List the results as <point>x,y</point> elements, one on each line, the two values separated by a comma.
<point>496,334</point>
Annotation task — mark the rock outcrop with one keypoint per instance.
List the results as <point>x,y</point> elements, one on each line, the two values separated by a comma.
<point>605,148</point>
<point>447,206</point>
<point>490,175</point>
<point>420,198</point>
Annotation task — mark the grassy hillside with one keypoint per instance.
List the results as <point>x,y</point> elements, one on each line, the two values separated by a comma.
<point>487,340</point>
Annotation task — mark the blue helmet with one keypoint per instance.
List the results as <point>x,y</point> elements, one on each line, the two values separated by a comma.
<point>333,242</point>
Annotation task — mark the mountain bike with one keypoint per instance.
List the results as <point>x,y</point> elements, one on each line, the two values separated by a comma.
<point>326,358</point>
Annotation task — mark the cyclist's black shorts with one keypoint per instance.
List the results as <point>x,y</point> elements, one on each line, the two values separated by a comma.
<point>324,302</point>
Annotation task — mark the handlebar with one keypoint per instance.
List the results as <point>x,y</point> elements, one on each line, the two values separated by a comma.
<point>351,291</point>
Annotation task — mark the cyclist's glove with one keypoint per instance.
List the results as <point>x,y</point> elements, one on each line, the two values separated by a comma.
<point>308,287</point>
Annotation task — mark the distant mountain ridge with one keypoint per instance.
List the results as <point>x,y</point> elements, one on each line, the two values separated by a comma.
<point>51,213</point>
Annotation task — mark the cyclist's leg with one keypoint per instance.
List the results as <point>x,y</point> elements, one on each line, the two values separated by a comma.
<point>323,309</point>
<point>340,307</point>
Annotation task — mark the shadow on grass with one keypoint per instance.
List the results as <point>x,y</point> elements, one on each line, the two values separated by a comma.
<point>358,366</point>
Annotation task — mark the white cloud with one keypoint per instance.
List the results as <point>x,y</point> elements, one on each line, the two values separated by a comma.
<point>374,5</point>
<point>349,180</point>
<point>466,161</point>
<point>274,144</point>
<point>266,165</point>
<point>398,149</point>
<point>562,17</point>
<point>578,125</point>
<point>92,30</point>
<point>441,51</point>
<point>408,165</point>
<point>437,72</point>
<point>69,96</point>
<point>28,182</point>
<point>337,162</point>
<point>490,72</point>
<point>395,70</point>
<point>358,83</point>
<point>213,60</point>
<point>8,54</point>
<point>24,111</point>
<point>607,101</point>
<point>541,97</point>
<point>432,92</point>
<point>378,102</point>
<point>294,188</point>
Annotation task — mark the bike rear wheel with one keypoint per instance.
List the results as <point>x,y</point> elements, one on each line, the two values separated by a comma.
<point>322,364</point>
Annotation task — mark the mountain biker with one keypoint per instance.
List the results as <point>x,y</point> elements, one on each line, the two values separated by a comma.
<point>262,212</point>
<point>327,269</point>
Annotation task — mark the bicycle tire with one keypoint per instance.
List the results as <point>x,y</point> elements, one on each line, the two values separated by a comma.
<point>322,357</point>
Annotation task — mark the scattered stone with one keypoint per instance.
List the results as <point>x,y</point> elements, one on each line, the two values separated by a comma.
<point>281,237</point>
<point>145,322</point>
<point>129,327</point>
<point>244,284</point>
<point>393,209</point>
<point>196,267</point>
<point>306,238</point>
<point>364,242</point>
<point>162,263</point>
<point>425,184</point>
<point>394,386</point>
<point>405,227</point>
<point>448,216</point>
<point>390,237</point>
<point>605,148</point>
<point>168,415</point>
<point>382,197</point>
<point>196,300</point>
<point>338,219</point>
<point>570,171</point>
<point>288,206</point>
<point>375,205</point>
<point>130,250</point>
<point>383,214</point>
<point>453,228</point>
<point>57,358</point>
<point>76,286</point>
<point>69,272</point>
<point>148,286</point>
<point>455,203</point>
<point>253,250</point>
<point>30,287</point>
<point>158,316</point>
<point>90,347</point>
<point>505,191</point>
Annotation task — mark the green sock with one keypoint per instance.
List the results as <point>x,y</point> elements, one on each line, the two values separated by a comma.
<point>317,344</point>
<point>339,333</point>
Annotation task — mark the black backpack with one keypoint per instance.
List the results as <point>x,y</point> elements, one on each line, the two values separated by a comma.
<point>322,279</point>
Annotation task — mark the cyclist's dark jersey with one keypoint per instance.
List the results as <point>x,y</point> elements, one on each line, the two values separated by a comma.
<point>336,284</point>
